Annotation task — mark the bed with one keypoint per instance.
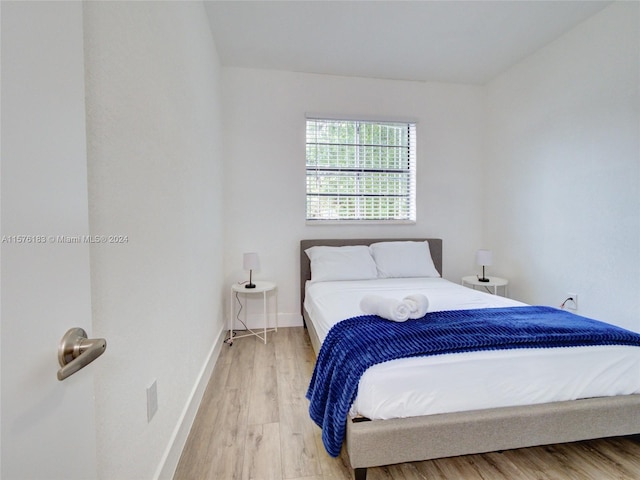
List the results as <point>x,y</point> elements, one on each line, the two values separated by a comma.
<point>376,437</point>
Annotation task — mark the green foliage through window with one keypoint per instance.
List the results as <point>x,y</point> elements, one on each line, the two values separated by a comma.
<point>360,170</point>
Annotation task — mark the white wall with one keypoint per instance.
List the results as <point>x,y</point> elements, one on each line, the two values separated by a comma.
<point>562,210</point>
<point>155,175</point>
<point>264,132</point>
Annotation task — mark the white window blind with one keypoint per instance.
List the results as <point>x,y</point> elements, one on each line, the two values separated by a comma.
<point>360,170</point>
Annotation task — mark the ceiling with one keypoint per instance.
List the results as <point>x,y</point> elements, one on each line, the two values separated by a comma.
<point>444,41</point>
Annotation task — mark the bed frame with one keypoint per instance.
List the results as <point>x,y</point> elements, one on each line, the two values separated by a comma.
<point>386,442</point>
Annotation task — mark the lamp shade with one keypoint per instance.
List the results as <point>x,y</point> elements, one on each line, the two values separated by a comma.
<point>484,257</point>
<point>251,261</point>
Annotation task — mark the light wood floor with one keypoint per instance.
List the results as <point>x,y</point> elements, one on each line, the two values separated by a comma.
<point>253,424</point>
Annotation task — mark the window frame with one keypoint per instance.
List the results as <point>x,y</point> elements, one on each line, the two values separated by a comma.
<point>410,172</point>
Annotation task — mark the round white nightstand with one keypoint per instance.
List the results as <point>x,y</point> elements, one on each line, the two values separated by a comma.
<point>493,283</point>
<point>264,288</point>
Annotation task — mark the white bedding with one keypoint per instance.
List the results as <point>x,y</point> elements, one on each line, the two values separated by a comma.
<point>473,380</point>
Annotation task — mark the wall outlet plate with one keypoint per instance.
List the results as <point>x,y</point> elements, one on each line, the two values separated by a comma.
<point>572,304</point>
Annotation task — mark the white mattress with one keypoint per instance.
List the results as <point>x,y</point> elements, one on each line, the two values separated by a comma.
<point>472,380</point>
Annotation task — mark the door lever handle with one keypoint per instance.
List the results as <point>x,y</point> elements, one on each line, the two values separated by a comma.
<point>77,351</point>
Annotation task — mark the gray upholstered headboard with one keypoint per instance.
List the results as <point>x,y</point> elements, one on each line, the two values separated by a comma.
<point>435,246</point>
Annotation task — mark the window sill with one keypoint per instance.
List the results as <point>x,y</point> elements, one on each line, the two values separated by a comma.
<point>360,222</point>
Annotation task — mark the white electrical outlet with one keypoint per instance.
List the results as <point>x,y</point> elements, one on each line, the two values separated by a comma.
<point>152,400</point>
<point>572,304</point>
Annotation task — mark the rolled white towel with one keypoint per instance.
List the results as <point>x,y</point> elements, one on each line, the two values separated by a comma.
<point>387,308</point>
<point>418,305</point>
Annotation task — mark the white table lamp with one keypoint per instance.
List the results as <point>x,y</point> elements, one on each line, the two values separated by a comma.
<point>250,261</point>
<point>484,258</point>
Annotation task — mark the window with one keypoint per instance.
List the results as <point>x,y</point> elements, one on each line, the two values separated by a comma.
<point>361,170</point>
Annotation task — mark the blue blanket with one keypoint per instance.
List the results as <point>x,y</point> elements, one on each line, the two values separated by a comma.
<point>356,344</point>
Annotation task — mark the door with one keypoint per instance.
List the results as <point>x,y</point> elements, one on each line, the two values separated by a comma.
<point>47,426</point>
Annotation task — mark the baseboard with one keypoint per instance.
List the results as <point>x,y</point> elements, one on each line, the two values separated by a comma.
<point>171,457</point>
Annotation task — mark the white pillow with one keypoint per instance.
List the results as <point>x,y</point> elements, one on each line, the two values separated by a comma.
<point>352,262</point>
<point>403,259</point>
